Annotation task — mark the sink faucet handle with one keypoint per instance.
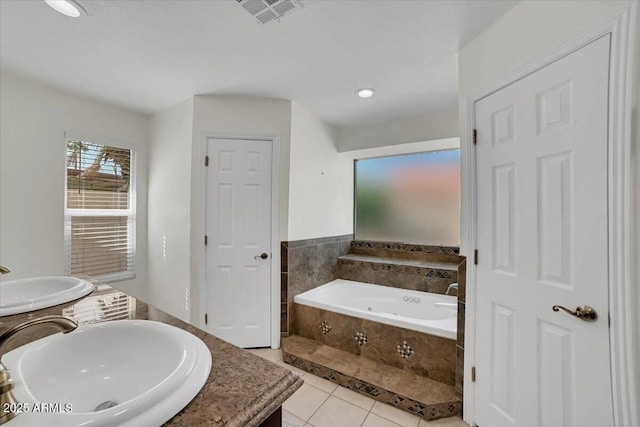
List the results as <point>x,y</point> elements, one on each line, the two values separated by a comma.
<point>64,324</point>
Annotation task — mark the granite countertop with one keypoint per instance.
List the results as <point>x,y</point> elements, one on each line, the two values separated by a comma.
<point>242,389</point>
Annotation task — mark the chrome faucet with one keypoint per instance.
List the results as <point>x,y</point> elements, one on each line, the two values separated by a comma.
<point>64,324</point>
<point>4,270</point>
<point>452,287</point>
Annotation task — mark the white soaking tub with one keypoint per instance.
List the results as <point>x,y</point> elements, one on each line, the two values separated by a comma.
<point>433,314</point>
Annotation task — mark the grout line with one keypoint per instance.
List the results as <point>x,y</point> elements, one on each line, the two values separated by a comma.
<point>365,419</point>
<point>318,408</point>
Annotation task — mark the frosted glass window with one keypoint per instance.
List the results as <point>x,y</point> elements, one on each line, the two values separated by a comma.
<point>413,198</point>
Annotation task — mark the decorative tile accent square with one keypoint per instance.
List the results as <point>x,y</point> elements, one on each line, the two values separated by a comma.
<point>405,350</point>
<point>361,338</point>
<point>324,326</point>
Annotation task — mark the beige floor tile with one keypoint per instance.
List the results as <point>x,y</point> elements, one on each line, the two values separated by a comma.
<point>355,398</point>
<point>374,420</point>
<point>267,353</point>
<point>290,420</point>
<point>444,422</point>
<point>396,415</point>
<point>305,401</point>
<point>338,413</point>
<point>321,383</point>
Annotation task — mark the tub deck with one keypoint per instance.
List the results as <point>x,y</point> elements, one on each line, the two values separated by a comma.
<point>423,397</point>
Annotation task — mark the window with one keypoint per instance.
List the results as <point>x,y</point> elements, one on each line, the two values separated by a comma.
<point>412,198</point>
<point>99,211</point>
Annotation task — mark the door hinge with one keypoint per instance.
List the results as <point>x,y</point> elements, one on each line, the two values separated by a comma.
<point>473,374</point>
<point>609,316</point>
<point>205,239</point>
<point>206,160</point>
<point>206,318</point>
<point>475,137</point>
<point>475,257</point>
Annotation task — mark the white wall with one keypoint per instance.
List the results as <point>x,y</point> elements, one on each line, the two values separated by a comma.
<point>527,31</point>
<point>320,180</point>
<point>426,127</point>
<point>34,119</point>
<point>169,224</point>
<point>233,116</point>
<point>246,117</point>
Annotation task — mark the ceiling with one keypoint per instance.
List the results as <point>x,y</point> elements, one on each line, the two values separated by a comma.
<point>149,55</point>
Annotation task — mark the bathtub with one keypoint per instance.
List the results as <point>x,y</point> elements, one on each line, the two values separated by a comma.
<point>433,314</point>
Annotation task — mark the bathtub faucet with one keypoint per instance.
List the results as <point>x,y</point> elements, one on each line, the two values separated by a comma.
<point>452,287</point>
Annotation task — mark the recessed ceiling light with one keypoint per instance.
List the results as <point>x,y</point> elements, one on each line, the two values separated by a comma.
<point>365,93</point>
<point>67,7</point>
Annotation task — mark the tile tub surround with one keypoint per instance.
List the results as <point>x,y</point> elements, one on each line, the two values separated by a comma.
<point>425,276</point>
<point>242,389</point>
<point>426,268</point>
<point>422,397</point>
<point>406,251</point>
<point>307,264</point>
<point>430,356</point>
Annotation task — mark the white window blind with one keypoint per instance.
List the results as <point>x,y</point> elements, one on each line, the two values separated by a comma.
<point>102,306</point>
<point>99,211</point>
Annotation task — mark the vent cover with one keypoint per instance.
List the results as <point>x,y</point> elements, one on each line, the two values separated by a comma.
<point>269,10</point>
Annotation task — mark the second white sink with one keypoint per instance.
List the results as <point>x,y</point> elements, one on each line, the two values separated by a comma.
<point>24,295</point>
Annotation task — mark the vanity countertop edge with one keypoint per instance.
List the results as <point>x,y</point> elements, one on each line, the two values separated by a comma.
<point>242,389</point>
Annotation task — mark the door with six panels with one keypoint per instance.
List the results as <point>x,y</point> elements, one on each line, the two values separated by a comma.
<point>541,168</point>
<point>238,271</point>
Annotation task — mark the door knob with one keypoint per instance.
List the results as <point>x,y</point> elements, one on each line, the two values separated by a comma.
<point>583,312</point>
<point>263,255</point>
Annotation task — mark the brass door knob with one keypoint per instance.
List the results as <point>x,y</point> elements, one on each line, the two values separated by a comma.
<point>583,312</point>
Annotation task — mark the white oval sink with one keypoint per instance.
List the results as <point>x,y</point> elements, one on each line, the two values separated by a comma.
<point>121,373</point>
<point>24,295</point>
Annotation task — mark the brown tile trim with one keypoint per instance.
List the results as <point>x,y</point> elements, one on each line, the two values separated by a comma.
<point>367,244</point>
<point>421,271</point>
<point>425,411</point>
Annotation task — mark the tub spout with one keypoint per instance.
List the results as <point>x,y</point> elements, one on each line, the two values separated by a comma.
<point>452,287</point>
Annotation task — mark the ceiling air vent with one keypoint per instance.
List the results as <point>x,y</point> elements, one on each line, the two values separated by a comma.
<point>269,10</point>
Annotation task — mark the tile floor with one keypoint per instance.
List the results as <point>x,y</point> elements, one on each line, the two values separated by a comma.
<point>321,403</point>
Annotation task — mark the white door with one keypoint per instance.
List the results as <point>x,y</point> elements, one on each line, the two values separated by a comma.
<point>238,272</point>
<point>541,158</point>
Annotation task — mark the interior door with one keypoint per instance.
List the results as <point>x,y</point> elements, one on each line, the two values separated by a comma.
<point>238,257</point>
<point>541,159</point>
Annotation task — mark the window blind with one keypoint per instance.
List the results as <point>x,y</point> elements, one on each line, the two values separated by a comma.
<point>99,211</point>
<point>102,306</point>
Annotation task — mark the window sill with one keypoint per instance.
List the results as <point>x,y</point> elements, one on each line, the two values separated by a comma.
<point>116,277</point>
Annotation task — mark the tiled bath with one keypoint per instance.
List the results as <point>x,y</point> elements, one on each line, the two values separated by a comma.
<point>311,263</point>
<point>427,355</point>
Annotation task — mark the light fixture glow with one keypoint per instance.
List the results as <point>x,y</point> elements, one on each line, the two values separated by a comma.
<point>365,93</point>
<point>67,7</point>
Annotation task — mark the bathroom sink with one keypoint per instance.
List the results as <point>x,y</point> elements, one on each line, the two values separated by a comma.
<point>23,295</point>
<point>125,372</point>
